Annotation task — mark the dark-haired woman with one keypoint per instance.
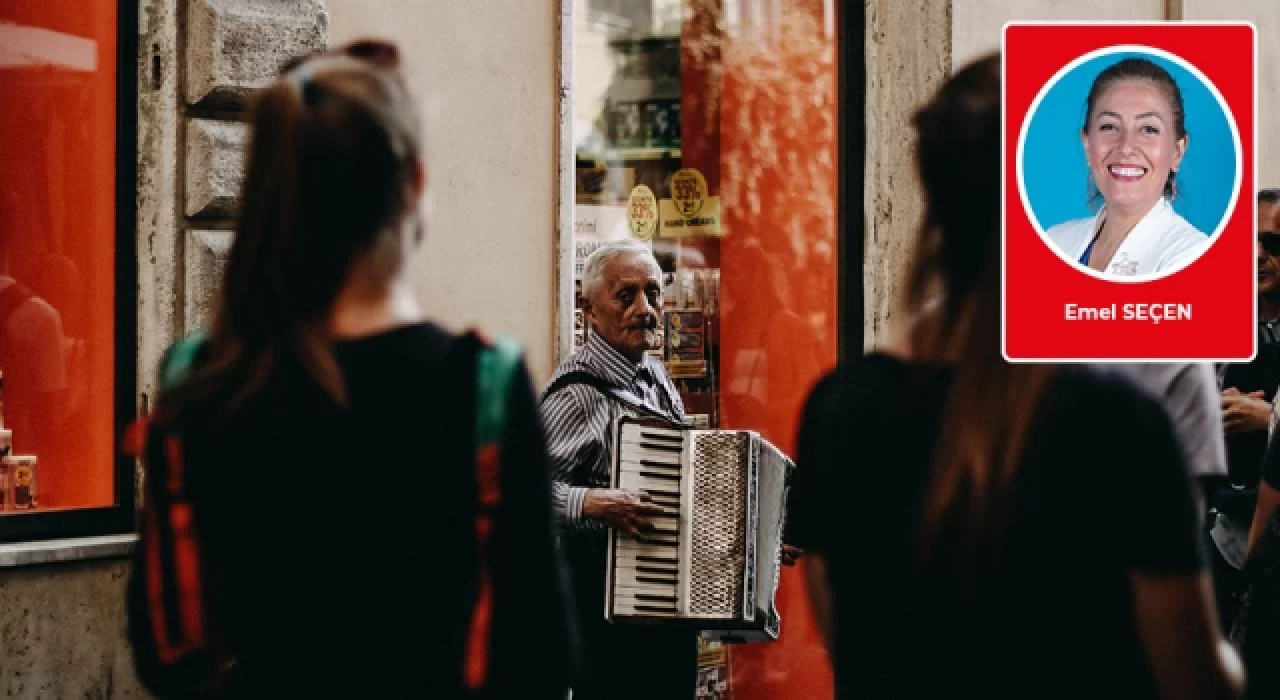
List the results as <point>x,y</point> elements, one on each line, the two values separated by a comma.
<point>329,442</point>
<point>970,525</point>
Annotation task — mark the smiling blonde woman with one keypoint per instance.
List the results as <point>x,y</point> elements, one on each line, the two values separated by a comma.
<point>1134,139</point>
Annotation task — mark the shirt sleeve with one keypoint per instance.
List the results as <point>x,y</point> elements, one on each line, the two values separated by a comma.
<point>1195,407</point>
<point>807,510</point>
<point>1151,494</point>
<point>572,448</point>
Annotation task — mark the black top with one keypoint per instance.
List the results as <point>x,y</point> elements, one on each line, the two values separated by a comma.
<point>344,538</point>
<point>1101,492</point>
<point>1245,450</point>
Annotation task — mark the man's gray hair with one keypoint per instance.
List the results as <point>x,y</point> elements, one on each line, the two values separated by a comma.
<point>593,268</point>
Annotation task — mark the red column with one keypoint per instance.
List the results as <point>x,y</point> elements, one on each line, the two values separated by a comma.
<point>779,277</point>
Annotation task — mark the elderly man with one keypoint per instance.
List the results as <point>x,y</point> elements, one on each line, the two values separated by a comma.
<point>612,376</point>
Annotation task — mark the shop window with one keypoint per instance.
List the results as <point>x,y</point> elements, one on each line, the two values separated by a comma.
<point>66,267</point>
<point>718,119</point>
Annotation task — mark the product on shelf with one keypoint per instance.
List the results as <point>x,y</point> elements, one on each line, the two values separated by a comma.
<point>22,481</point>
<point>686,344</point>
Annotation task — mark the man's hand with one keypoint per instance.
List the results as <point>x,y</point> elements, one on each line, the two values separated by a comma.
<point>621,509</point>
<point>1244,413</point>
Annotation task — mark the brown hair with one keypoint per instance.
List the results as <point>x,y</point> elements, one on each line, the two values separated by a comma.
<point>333,155</point>
<point>990,403</point>
<point>1135,68</point>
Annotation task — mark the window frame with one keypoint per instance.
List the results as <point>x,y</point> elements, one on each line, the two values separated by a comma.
<point>116,519</point>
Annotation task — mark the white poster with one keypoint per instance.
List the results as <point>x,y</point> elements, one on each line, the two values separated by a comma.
<point>593,226</point>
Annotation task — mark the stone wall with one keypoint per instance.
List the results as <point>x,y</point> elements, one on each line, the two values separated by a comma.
<point>977,25</point>
<point>908,56</point>
<point>200,61</point>
<point>1265,15</point>
<point>913,44</point>
<point>62,632</point>
<point>62,626</point>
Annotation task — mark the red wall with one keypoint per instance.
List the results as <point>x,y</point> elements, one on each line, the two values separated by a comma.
<point>770,153</point>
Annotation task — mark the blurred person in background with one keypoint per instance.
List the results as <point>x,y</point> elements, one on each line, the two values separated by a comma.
<point>1012,559</point>
<point>1189,394</point>
<point>1248,391</point>
<point>329,438</point>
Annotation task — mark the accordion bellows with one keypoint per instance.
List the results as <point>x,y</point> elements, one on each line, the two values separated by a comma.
<point>713,562</point>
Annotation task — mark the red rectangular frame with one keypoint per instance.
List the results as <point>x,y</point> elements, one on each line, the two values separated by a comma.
<point>1223,327</point>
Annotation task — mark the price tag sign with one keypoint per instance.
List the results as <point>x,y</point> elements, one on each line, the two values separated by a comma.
<point>642,212</point>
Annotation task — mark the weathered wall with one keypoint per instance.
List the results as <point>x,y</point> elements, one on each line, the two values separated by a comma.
<point>976,24</point>
<point>62,633</point>
<point>486,73</point>
<point>1265,15</point>
<point>912,45</point>
<point>198,62</point>
<point>908,56</point>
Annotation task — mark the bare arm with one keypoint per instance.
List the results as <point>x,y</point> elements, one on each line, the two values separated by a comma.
<point>815,577</point>
<point>1268,495</point>
<point>1268,499</point>
<point>1179,629</point>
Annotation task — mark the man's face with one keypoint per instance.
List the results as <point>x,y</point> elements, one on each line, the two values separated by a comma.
<point>626,307</point>
<point>1268,248</point>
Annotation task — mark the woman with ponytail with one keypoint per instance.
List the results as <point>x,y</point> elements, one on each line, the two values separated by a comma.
<point>970,525</point>
<point>336,504</point>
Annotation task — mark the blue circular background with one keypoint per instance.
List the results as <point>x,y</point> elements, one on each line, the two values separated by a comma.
<point>1053,162</point>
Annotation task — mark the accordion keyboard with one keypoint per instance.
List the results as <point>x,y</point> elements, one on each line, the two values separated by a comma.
<point>647,569</point>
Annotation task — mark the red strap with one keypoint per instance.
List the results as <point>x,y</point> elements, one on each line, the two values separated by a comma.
<point>488,462</point>
<point>174,514</point>
<point>476,670</point>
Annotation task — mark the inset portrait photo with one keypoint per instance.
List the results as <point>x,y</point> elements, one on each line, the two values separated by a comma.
<point>1129,163</point>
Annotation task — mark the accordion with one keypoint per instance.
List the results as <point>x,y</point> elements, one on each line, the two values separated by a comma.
<point>711,562</point>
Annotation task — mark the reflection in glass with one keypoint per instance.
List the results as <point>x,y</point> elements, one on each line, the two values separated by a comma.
<point>744,93</point>
<point>57,252</point>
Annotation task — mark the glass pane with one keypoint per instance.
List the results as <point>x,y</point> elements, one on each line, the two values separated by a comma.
<point>725,110</point>
<point>57,252</point>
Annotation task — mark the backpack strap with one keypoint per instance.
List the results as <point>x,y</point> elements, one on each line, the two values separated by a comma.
<point>497,363</point>
<point>496,366</point>
<point>177,642</point>
<point>175,365</point>
<point>179,359</point>
<point>583,377</point>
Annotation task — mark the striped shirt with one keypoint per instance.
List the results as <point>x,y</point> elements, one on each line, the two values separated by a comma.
<point>578,420</point>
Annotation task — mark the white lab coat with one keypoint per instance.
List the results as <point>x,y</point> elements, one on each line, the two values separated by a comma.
<point>1162,240</point>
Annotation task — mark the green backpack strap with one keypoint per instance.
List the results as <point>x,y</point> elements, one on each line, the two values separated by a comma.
<point>497,362</point>
<point>496,367</point>
<point>179,358</point>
